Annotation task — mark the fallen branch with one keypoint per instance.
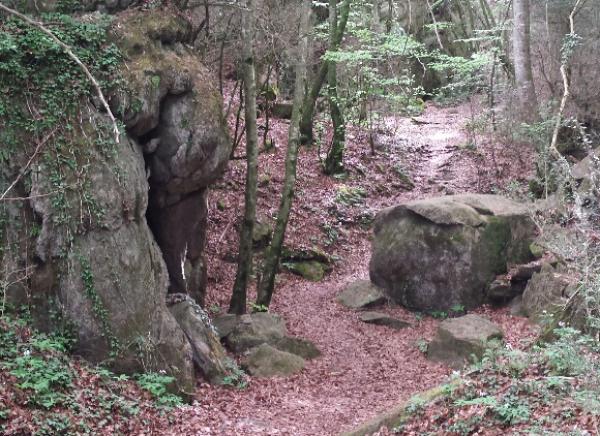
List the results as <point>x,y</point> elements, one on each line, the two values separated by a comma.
<point>72,55</point>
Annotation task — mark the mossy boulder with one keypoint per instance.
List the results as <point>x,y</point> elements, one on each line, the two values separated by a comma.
<point>267,361</point>
<point>171,106</point>
<point>311,270</point>
<point>255,329</point>
<point>92,256</point>
<point>298,346</point>
<point>438,253</point>
<point>311,264</point>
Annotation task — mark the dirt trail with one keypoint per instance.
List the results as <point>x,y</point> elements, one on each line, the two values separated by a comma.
<point>365,369</point>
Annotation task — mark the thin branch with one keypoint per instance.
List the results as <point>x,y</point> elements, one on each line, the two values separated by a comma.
<point>72,55</point>
<point>567,92</point>
<point>38,148</point>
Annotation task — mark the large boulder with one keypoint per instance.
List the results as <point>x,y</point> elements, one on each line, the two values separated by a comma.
<point>459,339</point>
<point>438,253</point>
<point>267,361</point>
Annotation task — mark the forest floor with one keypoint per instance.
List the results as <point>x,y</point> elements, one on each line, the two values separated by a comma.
<point>364,369</point>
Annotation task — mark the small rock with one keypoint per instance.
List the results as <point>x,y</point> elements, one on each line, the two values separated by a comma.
<point>261,234</point>
<point>267,361</point>
<point>298,346</point>
<point>500,290</point>
<point>526,271</point>
<point>361,294</point>
<point>282,110</point>
<point>516,306</point>
<point>378,318</point>
<point>255,329</point>
<point>458,339</point>
<point>546,292</point>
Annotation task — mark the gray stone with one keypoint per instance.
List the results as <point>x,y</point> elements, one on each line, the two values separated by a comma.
<point>524,272</point>
<point>312,270</point>
<point>282,109</point>
<point>361,294</point>
<point>546,293</point>
<point>458,339</point>
<point>255,329</point>
<point>267,361</point>
<point>437,253</point>
<point>261,234</point>
<point>298,346</point>
<point>378,318</point>
<point>225,324</point>
<point>500,290</point>
<point>208,352</point>
<point>516,306</point>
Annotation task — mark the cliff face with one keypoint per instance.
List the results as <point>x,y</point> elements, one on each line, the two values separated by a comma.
<point>125,223</point>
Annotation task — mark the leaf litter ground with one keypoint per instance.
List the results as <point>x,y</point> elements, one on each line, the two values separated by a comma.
<point>364,369</point>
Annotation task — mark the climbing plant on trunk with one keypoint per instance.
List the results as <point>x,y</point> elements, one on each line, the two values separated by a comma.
<point>310,100</point>
<point>334,160</point>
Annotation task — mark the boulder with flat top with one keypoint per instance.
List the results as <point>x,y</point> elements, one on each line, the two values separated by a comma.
<point>442,252</point>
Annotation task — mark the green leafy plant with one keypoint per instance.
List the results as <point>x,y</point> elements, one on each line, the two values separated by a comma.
<point>259,307</point>
<point>158,386</point>
<point>350,195</point>
<point>45,378</point>
<point>235,377</point>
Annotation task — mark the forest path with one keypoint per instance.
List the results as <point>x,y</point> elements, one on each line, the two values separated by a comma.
<point>364,369</point>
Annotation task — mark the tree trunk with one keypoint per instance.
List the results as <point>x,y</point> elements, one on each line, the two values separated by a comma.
<point>244,268</point>
<point>308,107</point>
<point>273,254</point>
<point>522,54</point>
<point>334,161</point>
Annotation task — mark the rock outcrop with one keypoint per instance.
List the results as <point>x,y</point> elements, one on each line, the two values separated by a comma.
<point>438,253</point>
<point>176,113</point>
<point>93,259</point>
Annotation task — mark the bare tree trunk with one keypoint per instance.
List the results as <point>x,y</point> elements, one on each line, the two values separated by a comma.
<point>308,107</point>
<point>273,254</point>
<point>244,268</point>
<point>522,54</point>
<point>334,161</point>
